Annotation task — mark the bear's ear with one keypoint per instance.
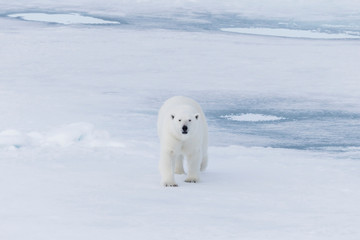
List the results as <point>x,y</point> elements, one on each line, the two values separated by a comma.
<point>172,116</point>
<point>196,116</point>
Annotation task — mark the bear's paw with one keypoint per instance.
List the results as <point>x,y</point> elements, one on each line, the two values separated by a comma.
<point>191,180</point>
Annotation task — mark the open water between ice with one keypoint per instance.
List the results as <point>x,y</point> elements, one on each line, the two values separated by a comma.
<point>268,122</point>
<point>200,21</point>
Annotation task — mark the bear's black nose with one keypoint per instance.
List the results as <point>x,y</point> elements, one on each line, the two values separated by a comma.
<point>184,128</point>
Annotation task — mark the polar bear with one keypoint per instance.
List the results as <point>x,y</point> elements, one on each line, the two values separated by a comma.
<point>183,132</point>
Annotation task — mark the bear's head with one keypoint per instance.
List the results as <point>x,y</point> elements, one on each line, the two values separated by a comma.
<point>184,122</point>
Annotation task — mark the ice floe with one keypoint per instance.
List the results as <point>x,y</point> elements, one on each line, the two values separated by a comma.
<point>291,33</point>
<point>61,18</point>
<point>251,117</point>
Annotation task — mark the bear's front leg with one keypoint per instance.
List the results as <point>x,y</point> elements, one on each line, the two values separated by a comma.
<point>194,161</point>
<point>166,166</point>
<point>179,167</point>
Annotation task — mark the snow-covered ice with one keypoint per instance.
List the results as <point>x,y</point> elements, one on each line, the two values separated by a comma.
<point>291,33</point>
<point>62,18</point>
<point>78,145</point>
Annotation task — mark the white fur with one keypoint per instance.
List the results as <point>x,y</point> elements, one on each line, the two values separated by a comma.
<point>175,113</point>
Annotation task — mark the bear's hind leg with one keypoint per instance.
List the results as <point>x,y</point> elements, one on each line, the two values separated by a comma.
<point>204,163</point>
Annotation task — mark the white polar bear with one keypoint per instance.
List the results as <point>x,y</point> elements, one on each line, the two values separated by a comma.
<point>183,131</point>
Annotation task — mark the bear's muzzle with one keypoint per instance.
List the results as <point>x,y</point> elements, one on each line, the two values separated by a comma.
<point>184,129</point>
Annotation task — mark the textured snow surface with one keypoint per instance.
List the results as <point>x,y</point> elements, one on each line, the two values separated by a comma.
<point>81,133</point>
<point>78,146</point>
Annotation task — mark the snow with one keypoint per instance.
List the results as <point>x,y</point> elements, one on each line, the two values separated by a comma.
<point>63,136</point>
<point>78,146</point>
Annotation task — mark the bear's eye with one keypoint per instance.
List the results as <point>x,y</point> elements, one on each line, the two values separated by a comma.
<point>179,120</point>
<point>189,120</point>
